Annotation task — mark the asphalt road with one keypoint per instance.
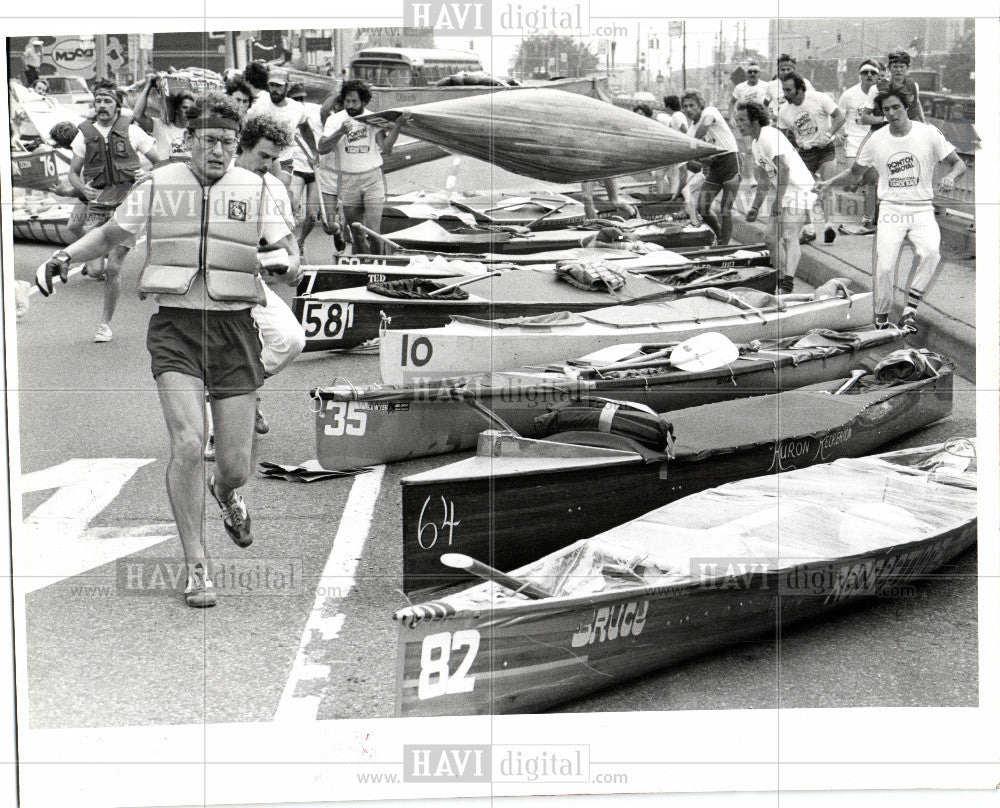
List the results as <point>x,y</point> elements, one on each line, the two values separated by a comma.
<point>303,630</point>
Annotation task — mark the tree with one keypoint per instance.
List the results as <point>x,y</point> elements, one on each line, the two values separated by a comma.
<point>543,57</point>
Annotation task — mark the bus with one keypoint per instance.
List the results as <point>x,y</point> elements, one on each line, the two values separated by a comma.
<point>410,67</point>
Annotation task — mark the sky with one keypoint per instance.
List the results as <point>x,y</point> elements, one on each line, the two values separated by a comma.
<point>497,51</point>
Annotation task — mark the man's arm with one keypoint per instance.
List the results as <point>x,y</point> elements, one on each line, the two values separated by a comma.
<point>855,171</point>
<point>75,177</point>
<point>781,183</point>
<point>387,139</point>
<point>306,131</point>
<point>920,107</point>
<point>957,165</point>
<point>837,120</point>
<point>291,246</point>
<point>139,113</point>
<point>763,186</point>
<point>329,142</point>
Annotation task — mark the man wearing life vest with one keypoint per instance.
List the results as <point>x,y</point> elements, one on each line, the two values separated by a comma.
<point>203,222</point>
<point>105,164</point>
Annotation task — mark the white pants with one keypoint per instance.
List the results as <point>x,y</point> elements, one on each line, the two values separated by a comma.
<point>281,336</point>
<point>690,194</point>
<point>895,223</point>
<point>782,238</point>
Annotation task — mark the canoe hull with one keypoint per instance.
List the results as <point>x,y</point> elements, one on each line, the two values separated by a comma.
<point>593,646</point>
<point>47,231</point>
<point>511,514</point>
<point>363,315</point>
<point>459,349</point>
<point>432,421</point>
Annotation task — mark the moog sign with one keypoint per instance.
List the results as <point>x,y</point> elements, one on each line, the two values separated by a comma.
<point>73,54</point>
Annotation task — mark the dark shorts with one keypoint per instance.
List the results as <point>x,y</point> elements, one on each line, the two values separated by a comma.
<point>722,169</point>
<point>307,176</point>
<point>814,158</point>
<point>222,348</point>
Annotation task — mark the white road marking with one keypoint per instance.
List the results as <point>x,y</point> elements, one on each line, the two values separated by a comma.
<point>54,542</point>
<point>335,583</point>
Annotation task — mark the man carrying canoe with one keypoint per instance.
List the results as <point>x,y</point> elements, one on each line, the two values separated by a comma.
<point>203,221</point>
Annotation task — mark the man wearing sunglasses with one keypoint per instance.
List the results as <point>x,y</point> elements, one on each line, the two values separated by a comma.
<point>853,103</point>
<point>203,222</point>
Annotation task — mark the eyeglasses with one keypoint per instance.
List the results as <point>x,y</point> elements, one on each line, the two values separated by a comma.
<point>753,72</point>
<point>211,141</point>
<point>868,72</point>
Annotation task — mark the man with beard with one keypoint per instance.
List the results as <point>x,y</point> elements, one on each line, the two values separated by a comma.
<point>905,154</point>
<point>104,167</point>
<point>203,268</point>
<point>359,148</point>
<point>276,102</point>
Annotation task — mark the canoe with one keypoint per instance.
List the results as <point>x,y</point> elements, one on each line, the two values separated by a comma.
<point>430,236</point>
<point>716,568</point>
<point>401,423</point>
<point>466,346</point>
<point>519,498</point>
<point>543,211</point>
<point>349,317</point>
<point>50,225</point>
<point>548,135</point>
<point>358,270</point>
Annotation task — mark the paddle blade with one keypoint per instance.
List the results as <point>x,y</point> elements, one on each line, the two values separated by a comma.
<point>704,352</point>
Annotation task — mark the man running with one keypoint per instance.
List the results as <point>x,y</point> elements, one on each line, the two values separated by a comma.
<point>778,165</point>
<point>277,103</point>
<point>812,119</point>
<point>360,148</point>
<point>239,89</point>
<point>203,269</point>
<point>904,154</point>
<point>786,66</point>
<point>104,167</point>
<point>853,103</point>
<point>304,190</point>
<point>722,173</point>
<point>753,90</point>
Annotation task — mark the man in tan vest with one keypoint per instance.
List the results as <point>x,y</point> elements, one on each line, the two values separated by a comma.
<point>203,222</point>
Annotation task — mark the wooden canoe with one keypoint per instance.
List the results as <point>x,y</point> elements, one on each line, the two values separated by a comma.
<point>519,498</point>
<point>548,135</point>
<point>401,423</point>
<point>349,317</point>
<point>713,569</point>
<point>465,347</point>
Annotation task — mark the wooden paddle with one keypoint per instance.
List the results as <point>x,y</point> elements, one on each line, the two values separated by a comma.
<point>379,237</point>
<point>460,561</point>
<point>445,289</point>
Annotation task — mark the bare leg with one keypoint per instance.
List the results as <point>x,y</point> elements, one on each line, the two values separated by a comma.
<point>182,400</point>
<point>705,199</point>
<point>729,192</point>
<point>113,282</point>
<point>233,418</point>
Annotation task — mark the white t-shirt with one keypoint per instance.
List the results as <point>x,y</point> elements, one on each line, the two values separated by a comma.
<point>777,95</point>
<point>291,112</point>
<point>905,164</point>
<point>717,132</point>
<point>133,214</point>
<point>170,141</point>
<point>357,151</point>
<point>809,120</point>
<point>745,93</point>
<point>772,143</point>
<point>673,120</point>
<point>140,141</point>
<point>852,103</point>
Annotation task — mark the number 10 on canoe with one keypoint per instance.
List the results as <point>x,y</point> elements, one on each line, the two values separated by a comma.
<point>332,319</point>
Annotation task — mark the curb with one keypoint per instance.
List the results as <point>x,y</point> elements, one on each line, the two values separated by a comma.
<point>940,332</point>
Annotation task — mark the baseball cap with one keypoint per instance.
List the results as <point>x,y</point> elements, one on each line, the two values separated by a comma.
<point>296,91</point>
<point>277,77</point>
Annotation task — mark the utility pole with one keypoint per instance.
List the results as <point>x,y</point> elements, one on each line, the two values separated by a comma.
<point>100,56</point>
<point>638,44</point>
<point>684,54</point>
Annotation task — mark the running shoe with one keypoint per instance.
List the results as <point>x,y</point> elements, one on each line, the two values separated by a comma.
<point>908,322</point>
<point>829,235</point>
<point>235,516</point>
<point>882,321</point>
<point>805,238</point>
<point>103,333</point>
<point>200,592</point>
<point>786,285</point>
<point>260,425</point>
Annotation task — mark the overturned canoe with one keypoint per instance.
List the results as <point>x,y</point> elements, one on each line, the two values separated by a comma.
<point>520,498</point>
<point>362,312</point>
<point>719,567</point>
<point>548,134</point>
<point>400,423</point>
<point>541,211</point>
<point>466,346</point>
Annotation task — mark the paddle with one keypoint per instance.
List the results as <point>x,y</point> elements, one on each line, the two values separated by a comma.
<point>545,215</point>
<point>855,375</point>
<point>471,279</point>
<point>706,351</point>
<point>378,236</point>
<point>459,561</point>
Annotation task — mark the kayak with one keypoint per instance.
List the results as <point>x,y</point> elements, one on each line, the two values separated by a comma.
<point>415,420</point>
<point>349,317</point>
<point>467,346</point>
<point>540,211</point>
<point>605,463</point>
<point>713,569</point>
